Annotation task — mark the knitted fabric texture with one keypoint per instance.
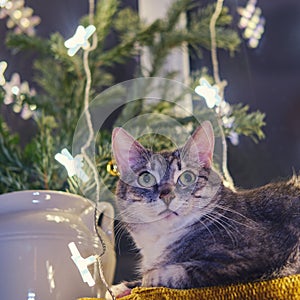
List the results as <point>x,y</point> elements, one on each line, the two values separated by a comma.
<point>286,288</point>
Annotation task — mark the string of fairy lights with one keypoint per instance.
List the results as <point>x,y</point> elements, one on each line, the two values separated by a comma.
<point>251,23</point>
<point>21,19</point>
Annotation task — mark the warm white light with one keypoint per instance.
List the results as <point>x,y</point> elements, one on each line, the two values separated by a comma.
<point>82,264</point>
<point>248,33</point>
<point>25,23</point>
<point>32,106</point>
<point>250,7</point>
<point>253,43</point>
<point>31,296</point>
<point>9,5</point>
<point>209,93</point>
<point>3,66</point>
<point>255,19</point>
<point>80,39</point>
<point>50,275</point>
<point>15,90</point>
<point>72,164</point>
<point>252,22</point>
<point>17,108</point>
<point>243,22</point>
<point>3,3</point>
<point>17,14</point>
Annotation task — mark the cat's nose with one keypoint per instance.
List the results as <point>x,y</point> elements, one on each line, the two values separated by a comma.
<point>167,195</point>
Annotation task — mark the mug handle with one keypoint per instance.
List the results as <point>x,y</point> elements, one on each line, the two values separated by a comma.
<point>106,220</point>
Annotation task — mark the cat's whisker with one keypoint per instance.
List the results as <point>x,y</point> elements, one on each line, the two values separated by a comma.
<point>248,221</point>
<point>120,230</point>
<point>119,235</point>
<point>132,215</point>
<point>207,228</point>
<point>227,222</point>
<point>210,216</point>
<point>216,222</point>
<point>128,215</point>
<point>232,220</point>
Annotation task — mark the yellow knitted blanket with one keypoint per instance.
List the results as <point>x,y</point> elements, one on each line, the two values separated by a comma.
<point>286,288</point>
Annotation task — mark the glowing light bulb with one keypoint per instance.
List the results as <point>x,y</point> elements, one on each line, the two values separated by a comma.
<point>15,90</point>
<point>33,106</point>
<point>25,23</point>
<point>9,5</point>
<point>3,3</point>
<point>17,14</point>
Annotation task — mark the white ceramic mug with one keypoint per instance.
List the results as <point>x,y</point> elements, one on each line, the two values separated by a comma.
<point>35,230</point>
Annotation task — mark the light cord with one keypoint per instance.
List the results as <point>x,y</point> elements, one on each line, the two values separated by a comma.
<point>101,274</point>
<point>213,42</point>
<point>221,85</point>
<point>90,139</point>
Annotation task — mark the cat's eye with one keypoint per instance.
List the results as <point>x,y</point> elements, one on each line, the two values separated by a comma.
<point>146,179</point>
<point>187,178</point>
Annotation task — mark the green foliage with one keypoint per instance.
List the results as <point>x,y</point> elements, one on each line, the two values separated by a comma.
<point>246,123</point>
<point>227,38</point>
<point>22,42</point>
<point>11,164</point>
<point>61,83</point>
<point>32,167</point>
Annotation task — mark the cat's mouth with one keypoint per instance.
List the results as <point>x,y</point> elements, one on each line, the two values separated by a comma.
<point>168,212</point>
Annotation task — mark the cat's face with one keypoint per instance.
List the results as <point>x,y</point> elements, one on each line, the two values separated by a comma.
<point>165,187</point>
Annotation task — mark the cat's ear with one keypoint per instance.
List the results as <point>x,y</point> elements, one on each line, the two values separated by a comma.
<point>126,150</point>
<point>200,145</point>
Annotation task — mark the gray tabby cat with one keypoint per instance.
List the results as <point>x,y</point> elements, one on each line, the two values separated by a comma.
<point>194,232</point>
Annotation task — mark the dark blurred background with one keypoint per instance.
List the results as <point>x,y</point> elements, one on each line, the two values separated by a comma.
<point>267,78</point>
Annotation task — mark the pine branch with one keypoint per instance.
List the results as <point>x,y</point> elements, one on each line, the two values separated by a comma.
<point>105,12</point>
<point>247,123</point>
<point>12,173</point>
<point>22,42</point>
<point>175,11</point>
<point>227,38</point>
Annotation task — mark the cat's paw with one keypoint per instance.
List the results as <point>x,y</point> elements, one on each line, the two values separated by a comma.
<point>119,291</point>
<point>171,276</point>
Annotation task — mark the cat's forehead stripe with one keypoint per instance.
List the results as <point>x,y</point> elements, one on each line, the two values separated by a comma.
<point>177,155</point>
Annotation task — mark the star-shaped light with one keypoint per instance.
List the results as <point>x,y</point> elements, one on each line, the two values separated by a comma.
<point>72,164</point>
<point>17,88</point>
<point>209,93</point>
<point>82,264</point>
<point>15,92</point>
<point>3,66</point>
<point>12,88</point>
<point>80,39</point>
